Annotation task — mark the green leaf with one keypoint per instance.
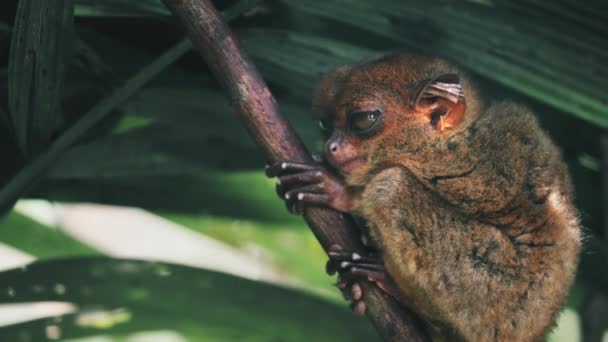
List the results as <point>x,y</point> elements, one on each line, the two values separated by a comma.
<point>38,240</point>
<point>38,56</point>
<point>134,296</point>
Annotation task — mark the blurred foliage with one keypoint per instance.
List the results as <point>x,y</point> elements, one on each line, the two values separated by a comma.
<point>200,305</point>
<point>125,126</point>
<point>284,244</point>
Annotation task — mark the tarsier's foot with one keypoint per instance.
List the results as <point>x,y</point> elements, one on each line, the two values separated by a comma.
<point>300,184</point>
<point>353,268</point>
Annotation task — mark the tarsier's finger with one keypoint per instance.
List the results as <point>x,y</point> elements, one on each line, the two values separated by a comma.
<point>332,266</point>
<point>291,206</point>
<point>285,167</point>
<point>306,177</point>
<point>358,307</point>
<point>356,257</point>
<point>294,194</point>
<point>356,292</point>
<point>291,194</point>
<point>295,207</point>
<point>355,273</point>
<point>296,201</point>
<point>298,208</point>
<point>345,265</point>
<point>313,198</point>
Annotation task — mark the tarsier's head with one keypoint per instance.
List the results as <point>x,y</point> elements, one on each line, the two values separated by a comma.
<point>380,111</point>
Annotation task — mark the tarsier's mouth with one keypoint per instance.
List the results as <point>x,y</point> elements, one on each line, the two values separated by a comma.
<point>351,165</point>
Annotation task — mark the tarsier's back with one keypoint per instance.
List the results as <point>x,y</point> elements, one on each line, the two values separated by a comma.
<point>470,204</point>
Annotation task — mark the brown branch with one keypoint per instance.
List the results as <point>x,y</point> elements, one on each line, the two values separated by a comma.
<point>258,110</point>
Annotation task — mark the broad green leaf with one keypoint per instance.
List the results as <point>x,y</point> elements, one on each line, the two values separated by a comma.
<point>200,305</point>
<point>40,51</point>
<point>38,240</point>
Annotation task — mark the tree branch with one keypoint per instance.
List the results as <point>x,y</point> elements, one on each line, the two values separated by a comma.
<point>258,110</point>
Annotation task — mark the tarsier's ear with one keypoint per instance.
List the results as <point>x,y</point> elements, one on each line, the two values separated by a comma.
<point>441,99</point>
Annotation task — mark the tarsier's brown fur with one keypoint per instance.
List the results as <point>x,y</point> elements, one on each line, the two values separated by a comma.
<point>475,223</point>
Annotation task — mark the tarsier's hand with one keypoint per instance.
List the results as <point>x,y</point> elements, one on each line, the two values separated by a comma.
<point>300,184</point>
<point>352,269</point>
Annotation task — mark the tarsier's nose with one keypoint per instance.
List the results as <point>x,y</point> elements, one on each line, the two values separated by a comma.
<point>334,144</point>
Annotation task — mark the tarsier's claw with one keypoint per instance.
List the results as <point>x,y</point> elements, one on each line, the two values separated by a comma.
<point>285,167</point>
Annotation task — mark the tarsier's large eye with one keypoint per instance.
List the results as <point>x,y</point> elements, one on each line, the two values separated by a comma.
<point>364,121</point>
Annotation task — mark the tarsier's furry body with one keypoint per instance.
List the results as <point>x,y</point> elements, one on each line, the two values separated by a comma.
<point>470,204</point>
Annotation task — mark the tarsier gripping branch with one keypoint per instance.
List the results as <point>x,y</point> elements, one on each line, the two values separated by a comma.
<point>468,204</point>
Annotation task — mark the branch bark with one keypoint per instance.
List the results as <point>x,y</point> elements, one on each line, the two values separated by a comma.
<point>258,110</point>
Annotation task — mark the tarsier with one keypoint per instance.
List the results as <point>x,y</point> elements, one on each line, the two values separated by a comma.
<point>468,204</point>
